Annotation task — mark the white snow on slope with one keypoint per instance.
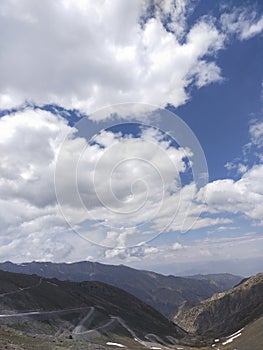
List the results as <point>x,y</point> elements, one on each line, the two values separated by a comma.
<point>116,344</point>
<point>233,336</point>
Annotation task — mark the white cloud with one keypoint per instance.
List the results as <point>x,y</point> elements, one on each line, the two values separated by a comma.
<point>256,133</point>
<point>239,167</point>
<point>211,249</point>
<point>87,54</point>
<point>29,214</point>
<point>177,246</point>
<point>207,73</point>
<point>137,191</point>
<point>132,254</point>
<point>137,181</point>
<point>244,196</point>
<point>29,141</point>
<point>131,184</point>
<point>244,23</point>
<point>173,13</point>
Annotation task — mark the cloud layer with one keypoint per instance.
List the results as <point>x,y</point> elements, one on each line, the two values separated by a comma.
<point>145,194</point>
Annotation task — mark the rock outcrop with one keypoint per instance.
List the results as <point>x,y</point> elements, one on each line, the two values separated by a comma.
<point>225,312</point>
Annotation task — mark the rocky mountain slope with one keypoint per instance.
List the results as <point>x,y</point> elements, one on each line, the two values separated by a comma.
<point>165,293</point>
<point>76,314</point>
<point>250,338</point>
<point>225,312</point>
<point>29,293</point>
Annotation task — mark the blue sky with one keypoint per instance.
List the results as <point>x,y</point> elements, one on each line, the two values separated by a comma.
<point>185,203</point>
<point>220,114</point>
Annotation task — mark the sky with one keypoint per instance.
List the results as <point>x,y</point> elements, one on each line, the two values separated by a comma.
<point>131,132</point>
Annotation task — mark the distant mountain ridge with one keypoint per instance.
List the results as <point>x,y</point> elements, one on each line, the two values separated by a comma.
<point>225,280</point>
<point>165,293</point>
<point>224,312</point>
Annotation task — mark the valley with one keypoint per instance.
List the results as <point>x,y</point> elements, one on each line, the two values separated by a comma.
<point>41,313</point>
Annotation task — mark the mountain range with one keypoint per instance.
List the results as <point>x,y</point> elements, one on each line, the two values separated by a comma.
<point>164,293</point>
<point>82,311</point>
<point>48,313</point>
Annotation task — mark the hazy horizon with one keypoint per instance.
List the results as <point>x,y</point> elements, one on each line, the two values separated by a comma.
<point>243,268</point>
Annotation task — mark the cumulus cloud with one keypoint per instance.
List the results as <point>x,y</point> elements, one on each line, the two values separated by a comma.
<point>243,196</point>
<point>87,54</point>
<point>29,141</point>
<point>29,216</point>
<point>131,185</point>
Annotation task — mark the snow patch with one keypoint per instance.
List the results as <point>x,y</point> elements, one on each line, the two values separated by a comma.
<point>237,332</point>
<point>116,344</point>
<point>233,336</point>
